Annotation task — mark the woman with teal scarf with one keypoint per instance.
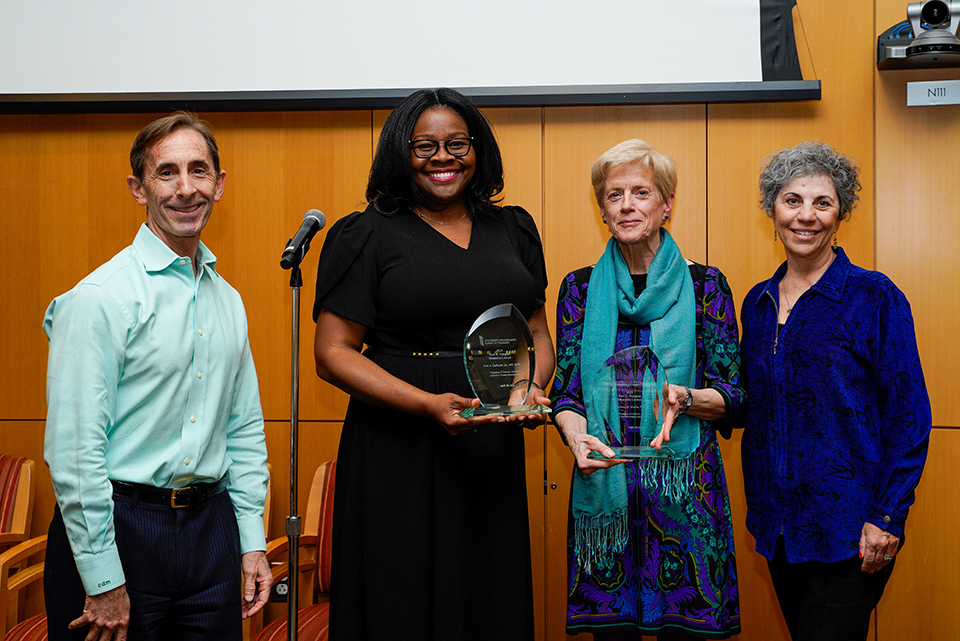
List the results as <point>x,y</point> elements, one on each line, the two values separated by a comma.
<point>650,540</point>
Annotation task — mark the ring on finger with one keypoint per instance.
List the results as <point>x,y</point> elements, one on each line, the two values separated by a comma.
<point>887,557</point>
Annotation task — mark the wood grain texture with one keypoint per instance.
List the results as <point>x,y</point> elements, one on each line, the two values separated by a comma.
<point>916,218</point>
<point>916,247</point>
<point>61,220</point>
<point>741,136</point>
<point>278,166</point>
<point>920,601</point>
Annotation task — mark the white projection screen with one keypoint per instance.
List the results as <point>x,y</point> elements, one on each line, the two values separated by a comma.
<point>118,55</point>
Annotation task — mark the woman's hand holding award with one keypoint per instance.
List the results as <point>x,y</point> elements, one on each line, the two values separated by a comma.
<point>499,356</point>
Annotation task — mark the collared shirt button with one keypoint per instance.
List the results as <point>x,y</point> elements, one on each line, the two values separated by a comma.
<point>193,419</point>
<point>886,519</point>
<point>199,374</point>
<point>201,332</point>
<point>186,461</point>
<point>183,261</point>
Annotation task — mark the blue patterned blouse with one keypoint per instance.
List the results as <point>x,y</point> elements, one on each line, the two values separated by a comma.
<point>837,418</point>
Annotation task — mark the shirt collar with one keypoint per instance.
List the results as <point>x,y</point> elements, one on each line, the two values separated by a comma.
<point>830,285</point>
<point>157,256</point>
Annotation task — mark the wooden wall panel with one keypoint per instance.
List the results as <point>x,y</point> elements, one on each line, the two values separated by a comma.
<point>279,166</point>
<point>62,219</point>
<point>920,601</point>
<point>519,136</point>
<point>916,248</point>
<point>740,236</point>
<point>917,216</point>
<point>559,480</point>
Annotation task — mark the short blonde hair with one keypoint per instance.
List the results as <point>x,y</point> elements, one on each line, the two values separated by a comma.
<point>638,152</point>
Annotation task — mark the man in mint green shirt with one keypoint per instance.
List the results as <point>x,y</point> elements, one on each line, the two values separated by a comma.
<point>151,389</point>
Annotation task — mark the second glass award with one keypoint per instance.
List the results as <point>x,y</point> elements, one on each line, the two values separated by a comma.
<point>634,383</point>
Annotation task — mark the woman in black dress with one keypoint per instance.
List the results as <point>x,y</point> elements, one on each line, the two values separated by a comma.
<point>430,534</point>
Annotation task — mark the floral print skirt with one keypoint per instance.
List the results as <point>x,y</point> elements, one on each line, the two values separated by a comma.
<point>677,574</point>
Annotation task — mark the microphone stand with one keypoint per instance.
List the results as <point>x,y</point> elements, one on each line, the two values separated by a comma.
<point>293,521</point>
<point>293,254</point>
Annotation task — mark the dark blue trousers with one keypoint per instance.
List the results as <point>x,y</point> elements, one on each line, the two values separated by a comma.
<point>826,601</point>
<point>182,569</point>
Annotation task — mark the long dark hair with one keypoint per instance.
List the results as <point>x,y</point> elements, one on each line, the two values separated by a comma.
<point>391,185</point>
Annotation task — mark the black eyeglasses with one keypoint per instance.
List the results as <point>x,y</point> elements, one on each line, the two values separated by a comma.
<point>456,147</point>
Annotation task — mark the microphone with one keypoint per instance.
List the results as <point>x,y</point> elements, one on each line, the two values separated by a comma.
<point>297,247</point>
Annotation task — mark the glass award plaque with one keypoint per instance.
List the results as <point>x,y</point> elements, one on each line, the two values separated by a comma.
<point>499,356</point>
<point>634,381</point>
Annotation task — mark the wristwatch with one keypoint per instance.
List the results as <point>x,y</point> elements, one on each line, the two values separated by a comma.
<point>687,402</point>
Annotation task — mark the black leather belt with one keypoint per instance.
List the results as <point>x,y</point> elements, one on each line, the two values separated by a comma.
<point>173,497</point>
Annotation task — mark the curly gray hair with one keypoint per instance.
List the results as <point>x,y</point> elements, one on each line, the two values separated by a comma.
<point>810,159</point>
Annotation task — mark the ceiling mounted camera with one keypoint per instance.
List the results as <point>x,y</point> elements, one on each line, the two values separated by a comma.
<point>927,39</point>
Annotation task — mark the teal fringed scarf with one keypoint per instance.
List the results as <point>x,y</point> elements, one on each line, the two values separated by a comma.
<point>667,306</point>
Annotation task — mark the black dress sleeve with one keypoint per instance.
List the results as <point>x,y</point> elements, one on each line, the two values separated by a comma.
<point>526,239</point>
<point>348,273</point>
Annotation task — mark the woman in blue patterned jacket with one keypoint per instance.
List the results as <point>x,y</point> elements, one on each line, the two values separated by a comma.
<point>837,417</point>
